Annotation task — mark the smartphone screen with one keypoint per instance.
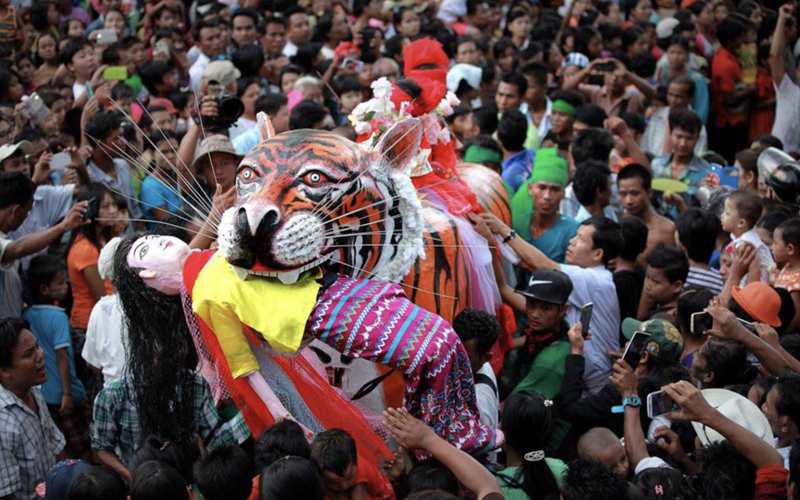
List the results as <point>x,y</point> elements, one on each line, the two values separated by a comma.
<point>635,350</point>
<point>747,325</point>
<point>60,161</point>
<point>105,37</point>
<point>700,322</point>
<point>659,403</point>
<point>586,318</point>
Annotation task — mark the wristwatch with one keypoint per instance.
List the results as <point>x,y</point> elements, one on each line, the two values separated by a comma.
<point>511,236</point>
<point>633,401</point>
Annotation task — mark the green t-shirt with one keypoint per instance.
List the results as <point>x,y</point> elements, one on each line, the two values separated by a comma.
<point>557,467</point>
<point>547,370</point>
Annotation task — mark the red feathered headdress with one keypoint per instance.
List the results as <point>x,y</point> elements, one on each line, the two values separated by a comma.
<point>425,52</point>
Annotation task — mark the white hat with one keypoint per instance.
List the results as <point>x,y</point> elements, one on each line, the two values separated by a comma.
<point>8,150</point>
<point>737,408</point>
<point>105,264</point>
<point>666,27</point>
<point>472,74</point>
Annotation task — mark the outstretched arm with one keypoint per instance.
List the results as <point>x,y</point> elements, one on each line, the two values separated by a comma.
<point>531,257</point>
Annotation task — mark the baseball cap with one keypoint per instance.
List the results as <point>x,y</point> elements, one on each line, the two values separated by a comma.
<point>666,27</point>
<point>8,150</point>
<point>60,476</point>
<point>165,103</point>
<point>575,59</point>
<point>221,73</point>
<point>213,144</point>
<point>737,408</point>
<point>549,285</point>
<point>665,341</point>
<point>760,301</point>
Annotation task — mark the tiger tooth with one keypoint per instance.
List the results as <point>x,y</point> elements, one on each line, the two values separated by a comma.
<point>289,277</point>
<point>241,273</point>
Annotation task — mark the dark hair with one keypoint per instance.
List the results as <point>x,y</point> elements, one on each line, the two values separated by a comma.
<point>791,344</point>
<point>794,462</point>
<point>202,24</point>
<point>432,495</point>
<point>590,177</point>
<point>634,237</point>
<point>591,114</point>
<point>632,34</point>
<point>516,78</point>
<point>156,480</point>
<point>728,361</point>
<point>243,83</point>
<point>159,136</point>
<point>729,29</point>
<point>748,159</point>
<point>305,115</point>
<point>291,478</point>
<point>15,189</point>
<point>788,387</point>
<point>665,482</point>
<point>162,450</point>
<point>692,300</point>
<point>677,40</point>
<point>152,73</point>
<point>283,438</point>
<point>334,450</point>
<point>768,140</point>
<point>670,260</point>
<point>591,144</point>
<point>528,422</point>
<point>97,483</point>
<point>635,122</point>
<point>121,91</point>
<point>725,473</point>
<point>10,330</point>
<point>749,205</point>
<point>225,473</point>
<point>100,127</point>
<point>346,83</point>
<point>636,171</point>
<point>248,60</point>
<point>472,324</point>
<point>686,120</point>
<point>607,237</point>
<point>41,271</point>
<point>697,230</point>
<point>587,479</point>
<point>790,229</point>
<point>512,130</point>
<point>92,191</point>
<point>584,35</point>
<point>643,64</point>
<point>486,120</point>
<point>431,475</point>
<point>537,71</point>
<point>246,12</point>
<point>38,15</point>
<point>73,46</point>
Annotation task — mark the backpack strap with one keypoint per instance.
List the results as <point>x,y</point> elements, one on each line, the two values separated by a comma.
<point>482,378</point>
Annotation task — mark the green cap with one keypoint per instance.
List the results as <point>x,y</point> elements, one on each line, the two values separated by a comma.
<point>548,166</point>
<point>665,342</point>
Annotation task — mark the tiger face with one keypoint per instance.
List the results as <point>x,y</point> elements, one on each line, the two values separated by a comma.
<point>307,197</point>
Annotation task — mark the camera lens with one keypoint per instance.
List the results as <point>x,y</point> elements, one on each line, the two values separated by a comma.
<point>231,108</point>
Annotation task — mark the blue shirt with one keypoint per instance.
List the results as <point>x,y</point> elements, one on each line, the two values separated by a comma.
<point>156,194</point>
<point>554,242</point>
<point>50,326</point>
<point>517,168</point>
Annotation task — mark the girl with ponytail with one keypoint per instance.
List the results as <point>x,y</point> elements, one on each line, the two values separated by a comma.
<point>528,420</point>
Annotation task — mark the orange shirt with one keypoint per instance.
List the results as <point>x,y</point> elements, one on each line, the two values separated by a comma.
<point>726,73</point>
<point>82,254</point>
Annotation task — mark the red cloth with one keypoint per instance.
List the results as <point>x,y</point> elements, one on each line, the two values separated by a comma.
<point>458,196</point>
<point>761,120</point>
<point>378,487</point>
<point>726,73</point>
<point>771,483</point>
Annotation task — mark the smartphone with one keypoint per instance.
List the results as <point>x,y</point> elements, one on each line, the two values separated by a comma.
<point>606,67</point>
<point>747,325</point>
<point>92,210</point>
<point>586,318</point>
<point>700,323</point>
<point>105,37</point>
<point>659,403</point>
<point>34,108</point>
<point>635,350</point>
<point>161,48</point>
<point>353,65</point>
<point>60,161</point>
<point>119,73</point>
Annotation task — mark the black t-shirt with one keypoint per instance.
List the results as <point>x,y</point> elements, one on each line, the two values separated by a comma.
<point>629,286</point>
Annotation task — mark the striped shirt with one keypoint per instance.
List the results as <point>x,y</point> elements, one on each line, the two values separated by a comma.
<point>709,279</point>
<point>8,25</point>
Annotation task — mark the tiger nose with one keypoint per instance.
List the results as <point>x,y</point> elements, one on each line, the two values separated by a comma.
<point>254,219</point>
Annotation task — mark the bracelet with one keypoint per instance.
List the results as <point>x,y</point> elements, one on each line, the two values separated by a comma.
<point>511,236</point>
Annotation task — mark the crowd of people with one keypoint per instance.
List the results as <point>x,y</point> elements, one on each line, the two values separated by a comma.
<point>651,263</point>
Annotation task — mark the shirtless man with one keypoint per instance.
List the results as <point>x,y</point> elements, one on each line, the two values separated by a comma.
<point>633,183</point>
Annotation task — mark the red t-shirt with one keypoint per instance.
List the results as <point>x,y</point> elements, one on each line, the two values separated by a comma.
<point>726,73</point>
<point>378,486</point>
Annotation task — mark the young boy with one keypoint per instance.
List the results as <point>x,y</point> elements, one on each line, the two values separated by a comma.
<point>224,474</point>
<point>461,123</point>
<point>345,474</point>
<point>63,391</point>
<point>742,211</point>
<point>78,56</point>
<point>478,331</point>
<point>786,249</point>
<point>667,270</point>
<point>348,88</point>
<point>696,234</point>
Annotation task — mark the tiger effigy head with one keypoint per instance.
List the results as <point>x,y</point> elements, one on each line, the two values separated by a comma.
<point>307,197</point>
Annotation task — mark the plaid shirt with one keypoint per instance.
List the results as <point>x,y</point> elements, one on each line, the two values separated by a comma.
<point>116,422</point>
<point>29,444</point>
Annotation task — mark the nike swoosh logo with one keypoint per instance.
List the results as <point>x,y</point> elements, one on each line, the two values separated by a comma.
<point>539,282</point>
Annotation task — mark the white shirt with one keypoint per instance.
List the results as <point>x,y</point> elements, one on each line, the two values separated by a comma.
<point>488,399</point>
<point>290,49</point>
<point>197,70</point>
<point>10,285</point>
<point>50,205</point>
<point>241,126</point>
<point>451,10</point>
<point>595,285</point>
<point>787,115</point>
<point>122,184</point>
<point>763,254</point>
<point>78,89</point>
<point>544,124</point>
<point>785,452</point>
<point>106,337</point>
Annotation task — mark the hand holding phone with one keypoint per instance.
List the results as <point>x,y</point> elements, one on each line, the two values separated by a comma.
<point>700,322</point>
<point>104,37</point>
<point>60,161</point>
<point>636,348</point>
<point>586,318</point>
<point>118,73</point>
<point>659,403</point>
<point>93,210</point>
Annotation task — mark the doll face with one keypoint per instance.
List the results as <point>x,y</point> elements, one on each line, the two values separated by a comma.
<point>160,259</point>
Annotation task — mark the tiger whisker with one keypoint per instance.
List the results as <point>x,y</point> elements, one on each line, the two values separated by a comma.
<point>162,223</point>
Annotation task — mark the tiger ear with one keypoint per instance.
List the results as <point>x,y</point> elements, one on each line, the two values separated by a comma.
<point>265,126</point>
<point>399,146</point>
